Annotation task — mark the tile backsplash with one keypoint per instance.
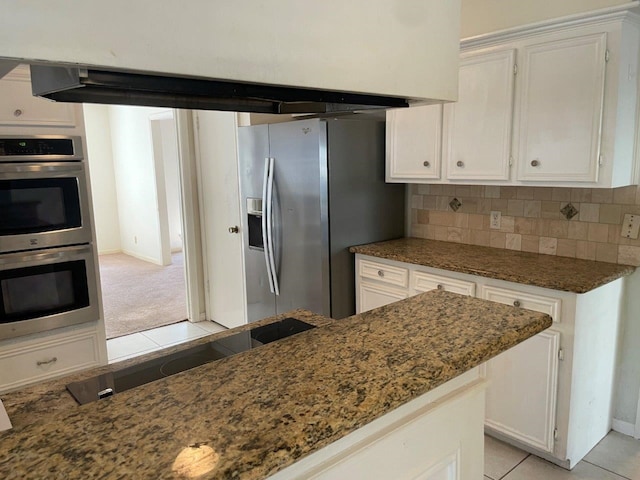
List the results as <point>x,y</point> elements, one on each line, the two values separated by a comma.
<point>531,219</point>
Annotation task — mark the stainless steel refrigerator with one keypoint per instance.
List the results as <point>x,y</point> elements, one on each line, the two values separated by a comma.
<point>309,190</point>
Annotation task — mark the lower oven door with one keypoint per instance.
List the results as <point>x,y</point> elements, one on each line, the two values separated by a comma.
<point>47,289</point>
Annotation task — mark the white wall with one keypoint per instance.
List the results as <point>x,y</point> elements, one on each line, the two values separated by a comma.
<point>100,159</point>
<point>484,16</point>
<point>135,181</point>
<point>628,381</point>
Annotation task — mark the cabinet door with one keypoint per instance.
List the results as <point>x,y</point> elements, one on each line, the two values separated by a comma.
<point>477,129</point>
<point>18,107</point>
<point>560,109</point>
<point>413,143</point>
<point>521,398</point>
<point>373,296</point>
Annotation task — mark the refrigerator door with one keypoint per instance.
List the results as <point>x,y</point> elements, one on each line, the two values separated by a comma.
<point>300,215</point>
<point>253,149</point>
<point>363,208</point>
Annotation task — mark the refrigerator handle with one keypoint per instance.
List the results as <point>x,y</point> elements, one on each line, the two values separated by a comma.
<point>269,246</point>
<point>265,217</point>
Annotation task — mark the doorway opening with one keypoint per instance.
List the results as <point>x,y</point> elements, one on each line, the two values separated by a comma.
<point>134,159</point>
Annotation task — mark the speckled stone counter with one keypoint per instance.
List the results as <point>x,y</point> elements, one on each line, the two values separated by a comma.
<point>263,409</point>
<point>547,271</point>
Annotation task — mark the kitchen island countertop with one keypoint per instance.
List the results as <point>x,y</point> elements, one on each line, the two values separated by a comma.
<point>264,409</point>
<point>547,271</point>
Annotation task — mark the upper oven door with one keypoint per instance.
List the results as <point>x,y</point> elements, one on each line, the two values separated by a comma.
<point>43,205</point>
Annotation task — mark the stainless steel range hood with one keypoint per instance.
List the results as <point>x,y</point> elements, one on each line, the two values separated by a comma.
<point>81,85</point>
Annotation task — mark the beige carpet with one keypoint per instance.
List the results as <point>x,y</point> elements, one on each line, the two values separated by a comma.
<point>139,295</point>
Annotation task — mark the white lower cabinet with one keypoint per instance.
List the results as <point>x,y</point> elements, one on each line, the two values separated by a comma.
<point>32,361</point>
<point>552,394</point>
<point>374,296</point>
<point>528,372</point>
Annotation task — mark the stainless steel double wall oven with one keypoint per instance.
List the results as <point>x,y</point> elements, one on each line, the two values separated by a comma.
<point>47,264</point>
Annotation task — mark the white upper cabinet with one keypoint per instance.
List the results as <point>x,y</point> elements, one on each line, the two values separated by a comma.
<point>557,100</point>
<point>477,129</point>
<point>19,108</point>
<point>413,143</point>
<point>560,109</point>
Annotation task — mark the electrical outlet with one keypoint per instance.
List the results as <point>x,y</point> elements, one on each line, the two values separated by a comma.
<point>630,225</point>
<point>495,220</point>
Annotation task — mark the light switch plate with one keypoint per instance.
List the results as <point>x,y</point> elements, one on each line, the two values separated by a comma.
<point>630,225</point>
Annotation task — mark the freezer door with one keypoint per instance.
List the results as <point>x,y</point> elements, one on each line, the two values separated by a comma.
<point>253,148</point>
<point>300,207</point>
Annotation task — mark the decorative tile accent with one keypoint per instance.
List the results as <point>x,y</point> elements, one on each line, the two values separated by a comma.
<point>455,204</point>
<point>569,211</point>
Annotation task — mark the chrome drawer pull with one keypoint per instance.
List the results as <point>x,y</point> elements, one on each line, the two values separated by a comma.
<point>380,273</point>
<point>17,113</point>
<point>46,362</point>
<point>516,303</point>
<point>426,163</point>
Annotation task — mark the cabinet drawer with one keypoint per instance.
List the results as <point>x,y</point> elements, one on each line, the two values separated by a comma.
<point>423,282</point>
<point>29,364</point>
<point>384,273</point>
<point>537,303</point>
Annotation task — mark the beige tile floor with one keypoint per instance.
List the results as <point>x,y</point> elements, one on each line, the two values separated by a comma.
<point>616,457</point>
<point>129,346</point>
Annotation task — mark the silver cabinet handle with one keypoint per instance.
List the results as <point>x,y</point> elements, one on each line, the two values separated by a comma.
<point>460,163</point>
<point>234,229</point>
<point>535,163</point>
<point>440,287</point>
<point>17,112</point>
<point>516,303</point>
<point>426,163</point>
<point>47,362</point>
<point>380,273</point>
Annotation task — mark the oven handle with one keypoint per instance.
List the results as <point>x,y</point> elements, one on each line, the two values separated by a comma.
<point>48,167</point>
<point>61,253</point>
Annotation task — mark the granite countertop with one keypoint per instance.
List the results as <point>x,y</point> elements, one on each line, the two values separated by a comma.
<point>547,271</point>
<point>261,410</point>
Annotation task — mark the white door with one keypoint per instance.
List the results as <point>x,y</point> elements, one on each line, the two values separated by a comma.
<point>521,397</point>
<point>219,198</point>
<point>477,128</point>
<point>560,109</point>
<point>413,143</point>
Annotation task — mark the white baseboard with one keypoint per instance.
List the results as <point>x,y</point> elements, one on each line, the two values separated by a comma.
<point>109,252</point>
<point>626,428</point>
<point>142,257</point>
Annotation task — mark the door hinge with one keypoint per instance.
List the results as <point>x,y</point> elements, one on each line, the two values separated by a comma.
<point>555,433</point>
<point>600,161</point>
<point>561,354</point>
<point>515,68</point>
<point>510,160</point>
<point>197,118</point>
<point>606,55</point>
